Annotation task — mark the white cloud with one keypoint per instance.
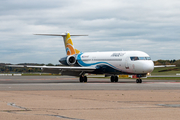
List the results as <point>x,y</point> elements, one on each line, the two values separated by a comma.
<point>150,26</point>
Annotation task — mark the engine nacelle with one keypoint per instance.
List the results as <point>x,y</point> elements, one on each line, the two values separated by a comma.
<point>69,60</point>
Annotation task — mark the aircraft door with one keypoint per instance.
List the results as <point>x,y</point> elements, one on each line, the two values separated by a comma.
<point>127,64</point>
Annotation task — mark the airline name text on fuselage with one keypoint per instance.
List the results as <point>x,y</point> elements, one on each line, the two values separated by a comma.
<point>117,54</point>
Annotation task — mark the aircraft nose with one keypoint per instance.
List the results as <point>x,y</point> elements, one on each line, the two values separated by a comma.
<point>148,67</point>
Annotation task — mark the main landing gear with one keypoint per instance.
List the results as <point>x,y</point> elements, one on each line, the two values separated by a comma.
<point>139,81</point>
<point>83,78</point>
<point>114,78</point>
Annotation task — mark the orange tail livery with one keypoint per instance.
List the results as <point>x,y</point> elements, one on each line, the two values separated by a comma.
<point>70,50</point>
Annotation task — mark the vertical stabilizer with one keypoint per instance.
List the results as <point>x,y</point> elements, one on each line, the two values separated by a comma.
<point>70,50</point>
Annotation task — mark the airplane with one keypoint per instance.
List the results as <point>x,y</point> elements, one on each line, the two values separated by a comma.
<point>112,63</point>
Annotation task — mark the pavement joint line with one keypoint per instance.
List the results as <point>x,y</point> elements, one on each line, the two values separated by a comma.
<point>59,116</point>
<point>26,109</point>
<point>170,105</point>
<point>14,105</point>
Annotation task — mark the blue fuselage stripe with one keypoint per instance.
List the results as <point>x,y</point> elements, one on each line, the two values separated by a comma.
<point>90,64</point>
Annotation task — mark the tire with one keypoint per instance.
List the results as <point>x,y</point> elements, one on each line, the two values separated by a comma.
<point>81,79</point>
<point>85,78</point>
<point>137,80</point>
<point>116,79</point>
<point>140,81</point>
<point>112,78</point>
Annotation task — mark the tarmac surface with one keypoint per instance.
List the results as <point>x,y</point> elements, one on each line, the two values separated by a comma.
<point>31,83</point>
<point>64,98</point>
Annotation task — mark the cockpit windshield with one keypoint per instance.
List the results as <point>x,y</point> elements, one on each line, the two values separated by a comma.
<point>139,58</point>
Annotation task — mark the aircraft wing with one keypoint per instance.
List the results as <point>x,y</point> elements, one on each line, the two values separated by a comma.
<point>164,66</point>
<point>88,69</point>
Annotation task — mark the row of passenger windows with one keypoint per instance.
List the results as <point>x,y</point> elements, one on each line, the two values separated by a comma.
<point>140,58</point>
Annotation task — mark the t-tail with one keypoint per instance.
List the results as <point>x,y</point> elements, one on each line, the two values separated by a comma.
<point>70,50</point>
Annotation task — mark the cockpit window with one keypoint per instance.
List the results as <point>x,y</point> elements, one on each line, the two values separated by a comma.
<point>148,58</point>
<point>134,58</point>
<point>142,58</point>
<point>139,58</point>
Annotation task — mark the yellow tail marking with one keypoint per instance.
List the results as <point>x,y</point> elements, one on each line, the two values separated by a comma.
<point>70,50</point>
<point>77,51</point>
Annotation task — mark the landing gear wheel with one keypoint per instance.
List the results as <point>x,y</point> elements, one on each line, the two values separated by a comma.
<point>138,81</point>
<point>112,78</point>
<point>116,79</point>
<point>83,79</point>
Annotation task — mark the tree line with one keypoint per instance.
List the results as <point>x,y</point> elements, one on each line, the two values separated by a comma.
<point>167,62</point>
<point>5,69</point>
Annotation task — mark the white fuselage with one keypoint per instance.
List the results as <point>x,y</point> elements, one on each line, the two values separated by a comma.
<point>131,62</point>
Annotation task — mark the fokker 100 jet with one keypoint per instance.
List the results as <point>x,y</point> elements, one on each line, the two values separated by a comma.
<point>111,63</point>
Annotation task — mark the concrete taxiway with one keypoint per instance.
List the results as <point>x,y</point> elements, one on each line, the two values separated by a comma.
<point>24,83</point>
<point>64,98</point>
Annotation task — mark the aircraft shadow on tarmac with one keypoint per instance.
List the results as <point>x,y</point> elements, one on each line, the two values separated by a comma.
<point>65,79</point>
<point>75,81</point>
<point>35,82</point>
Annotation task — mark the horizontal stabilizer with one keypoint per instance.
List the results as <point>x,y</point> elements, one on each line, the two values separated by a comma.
<point>58,35</point>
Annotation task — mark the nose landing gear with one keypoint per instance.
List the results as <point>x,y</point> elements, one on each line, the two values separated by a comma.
<point>139,80</point>
<point>140,76</point>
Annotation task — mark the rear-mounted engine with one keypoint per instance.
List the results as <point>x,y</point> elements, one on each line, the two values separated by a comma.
<point>69,60</point>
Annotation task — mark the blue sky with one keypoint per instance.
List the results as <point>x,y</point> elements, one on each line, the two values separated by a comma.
<point>152,26</point>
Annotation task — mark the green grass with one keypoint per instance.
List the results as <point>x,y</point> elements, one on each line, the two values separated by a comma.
<point>162,78</point>
<point>166,71</point>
